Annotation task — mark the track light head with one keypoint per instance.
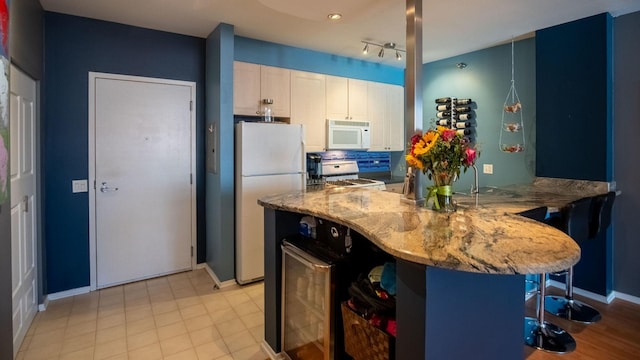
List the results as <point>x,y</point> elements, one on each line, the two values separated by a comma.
<point>381,52</point>
<point>366,49</point>
<point>398,55</point>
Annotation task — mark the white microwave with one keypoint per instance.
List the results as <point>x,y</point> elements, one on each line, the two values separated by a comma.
<point>348,135</point>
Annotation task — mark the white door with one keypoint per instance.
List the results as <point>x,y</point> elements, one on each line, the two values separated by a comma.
<point>23,203</point>
<point>144,161</point>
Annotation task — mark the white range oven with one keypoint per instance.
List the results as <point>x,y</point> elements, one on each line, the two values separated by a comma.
<point>345,173</point>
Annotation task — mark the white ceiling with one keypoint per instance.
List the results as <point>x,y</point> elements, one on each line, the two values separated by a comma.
<point>450,27</point>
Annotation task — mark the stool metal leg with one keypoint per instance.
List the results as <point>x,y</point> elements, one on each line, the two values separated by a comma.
<point>543,335</point>
<point>568,308</point>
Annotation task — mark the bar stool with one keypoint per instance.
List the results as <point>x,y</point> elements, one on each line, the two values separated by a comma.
<point>601,219</point>
<point>539,333</point>
<point>576,221</point>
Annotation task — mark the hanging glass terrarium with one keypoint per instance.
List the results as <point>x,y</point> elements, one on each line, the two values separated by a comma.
<point>512,126</point>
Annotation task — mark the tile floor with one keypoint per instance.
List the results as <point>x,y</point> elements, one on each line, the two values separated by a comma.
<point>173,317</point>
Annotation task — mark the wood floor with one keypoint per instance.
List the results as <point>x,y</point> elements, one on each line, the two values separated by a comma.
<point>616,336</point>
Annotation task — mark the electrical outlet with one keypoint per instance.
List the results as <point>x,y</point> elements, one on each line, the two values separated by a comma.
<point>78,186</point>
<point>487,168</point>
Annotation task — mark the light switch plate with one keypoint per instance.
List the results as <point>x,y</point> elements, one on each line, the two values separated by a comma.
<point>487,168</point>
<point>78,186</point>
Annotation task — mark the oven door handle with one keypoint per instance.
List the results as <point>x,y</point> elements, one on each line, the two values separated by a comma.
<point>304,258</point>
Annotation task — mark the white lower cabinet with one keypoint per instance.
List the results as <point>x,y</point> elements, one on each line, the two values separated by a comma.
<point>308,108</point>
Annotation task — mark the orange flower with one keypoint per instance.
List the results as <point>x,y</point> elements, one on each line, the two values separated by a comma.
<point>412,161</point>
<point>427,142</point>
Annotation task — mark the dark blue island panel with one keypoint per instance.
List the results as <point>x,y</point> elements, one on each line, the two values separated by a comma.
<point>441,314</point>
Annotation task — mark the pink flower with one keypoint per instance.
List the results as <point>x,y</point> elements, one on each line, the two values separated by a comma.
<point>469,156</point>
<point>448,134</point>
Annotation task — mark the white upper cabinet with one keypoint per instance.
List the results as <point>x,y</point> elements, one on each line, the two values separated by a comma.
<point>253,83</point>
<point>386,114</point>
<point>275,84</point>
<point>246,89</point>
<point>346,98</point>
<point>376,113</point>
<point>308,108</point>
<point>395,118</point>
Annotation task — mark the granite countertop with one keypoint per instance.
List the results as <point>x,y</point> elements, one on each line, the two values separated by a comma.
<point>484,235</point>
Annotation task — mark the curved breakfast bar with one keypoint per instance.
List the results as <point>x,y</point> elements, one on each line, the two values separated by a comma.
<point>460,276</point>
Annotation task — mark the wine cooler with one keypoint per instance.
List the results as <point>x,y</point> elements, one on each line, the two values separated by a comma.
<point>308,311</point>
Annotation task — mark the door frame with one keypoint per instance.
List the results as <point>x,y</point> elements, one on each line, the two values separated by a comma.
<point>93,76</point>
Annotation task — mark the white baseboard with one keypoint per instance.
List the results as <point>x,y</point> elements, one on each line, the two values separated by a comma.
<point>45,303</point>
<point>62,295</point>
<point>219,284</point>
<point>585,293</point>
<point>626,297</point>
<point>266,348</point>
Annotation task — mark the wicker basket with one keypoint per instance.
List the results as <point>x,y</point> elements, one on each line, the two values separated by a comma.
<point>363,341</point>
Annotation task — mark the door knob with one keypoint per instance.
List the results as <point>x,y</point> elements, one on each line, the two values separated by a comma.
<point>105,188</point>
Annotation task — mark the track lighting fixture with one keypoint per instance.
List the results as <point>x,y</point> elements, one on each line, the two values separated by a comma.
<point>388,45</point>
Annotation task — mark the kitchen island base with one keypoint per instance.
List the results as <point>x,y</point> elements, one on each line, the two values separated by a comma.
<point>466,315</point>
<point>441,313</point>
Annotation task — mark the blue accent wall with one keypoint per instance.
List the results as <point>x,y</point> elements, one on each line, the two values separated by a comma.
<point>75,46</point>
<point>486,80</point>
<point>575,123</point>
<point>267,53</point>
<point>574,82</point>
<point>221,186</point>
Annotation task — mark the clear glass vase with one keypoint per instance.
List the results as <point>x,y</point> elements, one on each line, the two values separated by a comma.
<point>442,192</point>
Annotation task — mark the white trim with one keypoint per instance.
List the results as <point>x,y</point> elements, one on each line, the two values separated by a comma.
<point>585,293</point>
<point>626,297</point>
<point>92,170</point>
<point>67,293</point>
<point>266,348</point>
<point>45,303</point>
<point>219,284</point>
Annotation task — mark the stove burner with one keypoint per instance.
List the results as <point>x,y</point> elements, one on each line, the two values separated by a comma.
<point>340,182</point>
<point>357,182</point>
<point>362,181</point>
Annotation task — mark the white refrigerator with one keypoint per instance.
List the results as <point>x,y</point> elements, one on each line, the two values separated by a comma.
<point>269,159</point>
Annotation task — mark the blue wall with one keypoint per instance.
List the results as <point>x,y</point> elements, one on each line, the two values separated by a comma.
<point>575,123</point>
<point>266,53</point>
<point>73,47</point>
<point>574,99</point>
<point>220,206</point>
<point>627,175</point>
<point>486,80</point>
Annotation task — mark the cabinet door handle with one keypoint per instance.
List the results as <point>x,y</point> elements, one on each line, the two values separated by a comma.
<point>25,199</point>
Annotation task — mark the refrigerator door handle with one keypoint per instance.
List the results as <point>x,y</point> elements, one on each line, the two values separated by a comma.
<point>303,160</point>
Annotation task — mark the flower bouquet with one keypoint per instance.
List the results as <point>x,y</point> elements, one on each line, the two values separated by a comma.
<point>440,154</point>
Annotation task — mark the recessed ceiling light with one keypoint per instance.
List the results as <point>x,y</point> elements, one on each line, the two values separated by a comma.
<point>334,16</point>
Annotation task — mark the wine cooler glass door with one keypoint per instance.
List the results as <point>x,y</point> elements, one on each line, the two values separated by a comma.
<point>306,305</point>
